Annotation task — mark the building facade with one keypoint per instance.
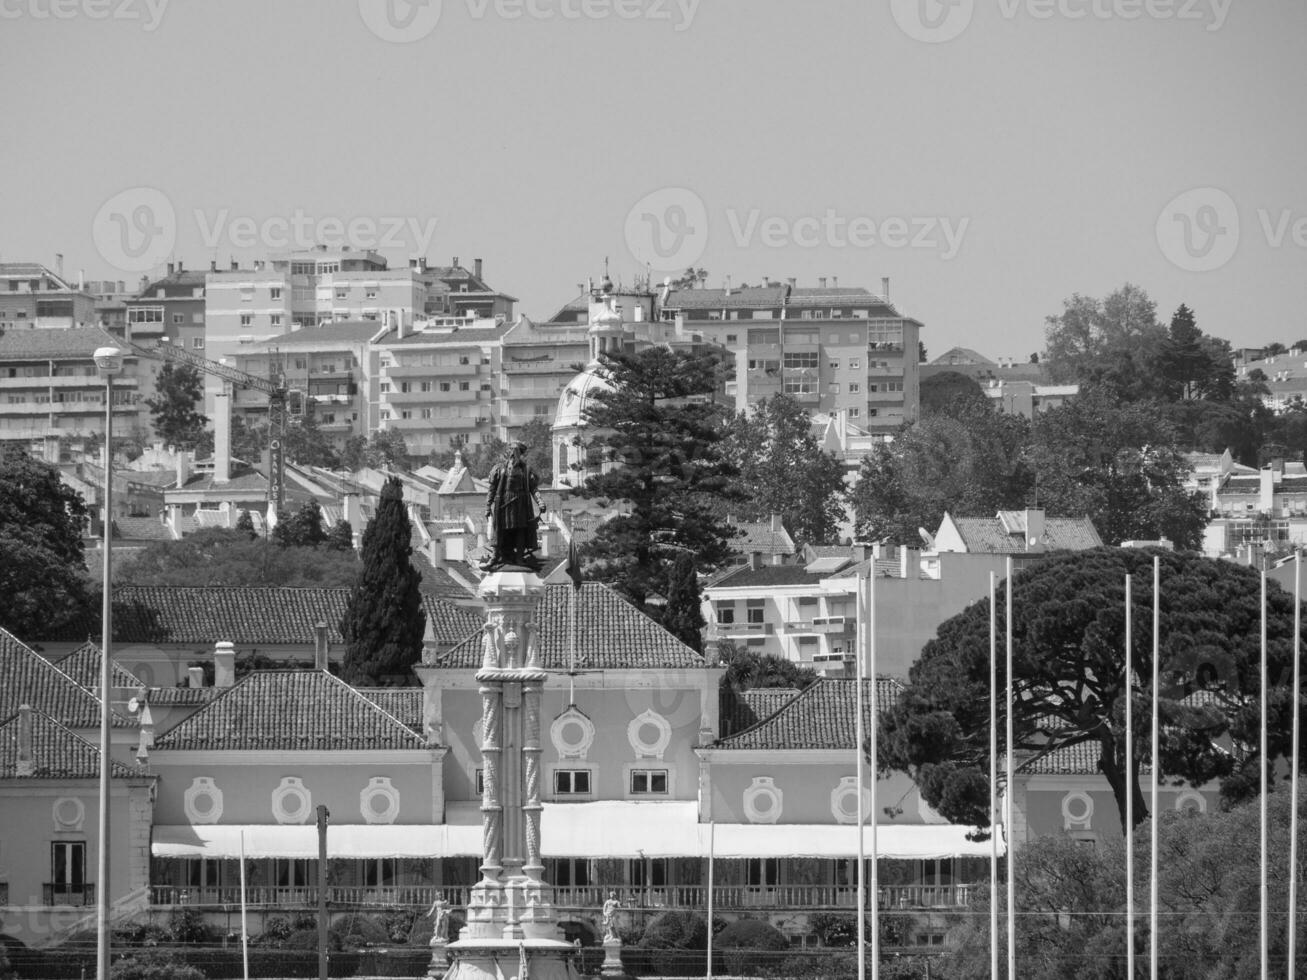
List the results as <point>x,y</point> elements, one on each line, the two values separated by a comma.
<point>33,296</point>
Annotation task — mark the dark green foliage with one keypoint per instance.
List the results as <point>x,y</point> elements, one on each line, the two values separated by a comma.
<point>384,620</point>
<point>751,934</point>
<point>356,930</point>
<point>341,537</point>
<point>683,615</point>
<point>746,669</point>
<point>245,524</point>
<point>675,930</point>
<point>42,564</point>
<point>662,430</point>
<point>951,393</point>
<point>178,389</point>
<point>154,965</point>
<point>282,533</point>
<point>386,448</point>
<point>783,470</point>
<point>1068,635</point>
<point>218,556</point>
<point>187,926</point>
<point>307,445</point>
<point>1109,342</point>
<point>305,527</point>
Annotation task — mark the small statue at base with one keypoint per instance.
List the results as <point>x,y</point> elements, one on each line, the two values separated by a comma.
<point>439,914</point>
<point>611,908</point>
<point>513,510</point>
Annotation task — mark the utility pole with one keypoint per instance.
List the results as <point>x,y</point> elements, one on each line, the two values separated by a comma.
<point>323,814</point>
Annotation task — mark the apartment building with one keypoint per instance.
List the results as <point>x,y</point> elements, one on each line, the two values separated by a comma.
<point>455,291</point>
<point>49,387</point>
<point>171,308</point>
<point>534,364</point>
<point>33,296</point>
<point>1013,386</point>
<point>831,348</point>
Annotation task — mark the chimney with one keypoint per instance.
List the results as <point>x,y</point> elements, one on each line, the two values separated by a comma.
<point>224,664</point>
<point>884,288</point>
<point>755,560</point>
<point>352,512</point>
<point>183,468</point>
<point>834,282</point>
<point>172,267</point>
<point>909,562</point>
<point>728,286</point>
<point>234,266</point>
<point>476,268</point>
<point>320,645</point>
<point>222,435</point>
<point>26,763</point>
<point>145,281</point>
<point>776,522</point>
<point>821,282</point>
<point>195,677</point>
<point>180,267</point>
<point>213,265</point>
<point>455,262</point>
<point>1035,535</point>
<point>81,279</point>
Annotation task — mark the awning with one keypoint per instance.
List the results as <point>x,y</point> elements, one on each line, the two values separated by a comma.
<point>301,841</point>
<point>912,841</point>
<point>605,828</point>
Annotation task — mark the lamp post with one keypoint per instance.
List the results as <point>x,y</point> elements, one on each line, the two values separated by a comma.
<point>108,362</point>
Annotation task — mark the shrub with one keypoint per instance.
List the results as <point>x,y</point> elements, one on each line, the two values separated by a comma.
<point>675,930</point>
<point>750,946</point>
<point>276,931</point>
<point>307,939</point>
<point>152,965</point>
<point>187,927</point>
<point>834,928</point>
<point>398,924</point>
<point>359,930</point>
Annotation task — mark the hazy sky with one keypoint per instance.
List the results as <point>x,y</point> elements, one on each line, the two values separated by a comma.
<point>991,159</point>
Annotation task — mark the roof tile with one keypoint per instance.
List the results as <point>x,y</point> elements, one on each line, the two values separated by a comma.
<point>57,752</point>
<point>819,717</point>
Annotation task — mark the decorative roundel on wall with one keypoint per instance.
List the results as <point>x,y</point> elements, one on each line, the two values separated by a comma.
<point>636,731</point>
<point>1190,800</point>
<point>572,734</point>
<point>1077,810</point>
<point>291,801</point>
<point>379,801</point>
<point>203,800</point>
<point>844,801</point>
<point>68,813</point>
<point>763,800</point>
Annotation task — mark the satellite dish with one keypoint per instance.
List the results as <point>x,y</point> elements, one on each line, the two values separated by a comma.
<point>134,705</point>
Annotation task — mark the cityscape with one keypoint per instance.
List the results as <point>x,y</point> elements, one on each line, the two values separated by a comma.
<point>435,545</point>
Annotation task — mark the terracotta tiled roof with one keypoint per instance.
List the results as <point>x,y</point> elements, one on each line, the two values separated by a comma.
<point>72,342</point>
<point>249,616</point>
<point>747,708</point>
<point>1070,760</point>
<point>287,710</point>
<point>766,576</point>
<point>699,299</point>
<point>988,535</point>
<point>83,666</point>
<point>28,678</point>
<point>611,634</point>
<point>405,703</point>
<point>57,752</point>
<point>820,717</point>
<point>759,536</point>
<point>181,695</point>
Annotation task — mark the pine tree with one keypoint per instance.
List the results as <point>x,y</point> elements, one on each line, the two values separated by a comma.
<point>683,615</point>
<point>661,433</point>
<point>384,620</point>
<point>178,389</point>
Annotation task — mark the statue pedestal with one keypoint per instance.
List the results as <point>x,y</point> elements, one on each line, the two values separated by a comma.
<point>612,959</point>
<point>439,961</point>
<point>526,959</point>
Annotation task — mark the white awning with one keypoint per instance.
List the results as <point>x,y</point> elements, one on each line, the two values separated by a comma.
<point>920,841</point>
<point>301,841</point>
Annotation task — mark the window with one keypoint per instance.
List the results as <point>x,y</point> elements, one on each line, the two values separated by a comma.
<point>463,359</point>
<point>834,364</point>
<point>275,319</point>
<point>648,782</point>
<point>178,318</point>
<point>762,872</point>
<point>197,343</point>
<point>274,292</point>
<point>405,387</point>
<point>444,386</point>
<point>480,782</point>
<point>406,414</point>
<point>426,413</point>
<point>575,781</point>
<point>569,872</point>
<point>755,610</point>
<point>801,359</point>
<point>855,364</point>
<point>247,319</point>
<point>855,413</point>
<point>732,338</point>
<point>465,386</point>
<point>854,388</point>
<point>800,386</point>
<point>68,872</point>
<point>370,292</point>
<point>342,294</point>
<point>292,872</point>
<point>425,386</point>
<point>726,613</point>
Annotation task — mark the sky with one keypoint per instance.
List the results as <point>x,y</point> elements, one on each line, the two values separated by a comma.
<point>990,157</point>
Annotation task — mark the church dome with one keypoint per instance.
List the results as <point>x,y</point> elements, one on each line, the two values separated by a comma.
<point>578,396</point>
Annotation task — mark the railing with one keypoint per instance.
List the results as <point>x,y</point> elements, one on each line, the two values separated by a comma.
<point>53,893</point>
<point>576,897</point>
<point>745,629</point>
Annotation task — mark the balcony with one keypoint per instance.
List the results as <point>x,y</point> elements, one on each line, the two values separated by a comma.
<point>745,629</point>
<point>435,371</point>
<point>835,625</point>
<point>422,397</point>
<point>64,894</point>
<point>549,366</point>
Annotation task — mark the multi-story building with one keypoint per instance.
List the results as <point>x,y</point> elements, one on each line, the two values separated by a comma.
<point>831,348</point>
<point>49,386</point>
<point>171,309</point>
<point>437,382</point>
<point>111,298</point>
<point>454,291</point>
<point>336,366</point>
<point>1263,510</point>
<point>33,296</point>
<point>534,364</point>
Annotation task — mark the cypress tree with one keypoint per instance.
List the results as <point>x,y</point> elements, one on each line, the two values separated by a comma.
<point>384,620</point>
<point>683,616</point>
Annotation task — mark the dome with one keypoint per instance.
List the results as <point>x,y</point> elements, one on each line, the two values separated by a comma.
<point>577,396</point>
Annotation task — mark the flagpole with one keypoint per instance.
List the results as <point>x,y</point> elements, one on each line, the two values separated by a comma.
<point>245,931</point>
<point>712,846</point>
<point>1131,786</point>
<point>1010,766</point>
<point>1293,779</point>
<point>993,776</point>
<point>861,889</point>
<point>1263,862</point>
<point>874,766</point>
<point>1157,767</point>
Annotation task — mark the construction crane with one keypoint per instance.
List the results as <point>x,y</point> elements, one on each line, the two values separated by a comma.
<point>282,402</point>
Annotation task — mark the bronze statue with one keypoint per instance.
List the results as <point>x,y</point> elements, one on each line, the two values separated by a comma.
<point>513,509</point>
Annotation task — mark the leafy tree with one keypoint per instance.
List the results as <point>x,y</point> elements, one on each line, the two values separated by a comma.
<point>746,669</point>
<point>692,278</point>
<point>42,563</point>
<point>784,471</point>
<point>245,523</point>
<point>1118,464</point>
<point>384,621</point>
<point>354,455</point>
<point>537,433</point>
<point>1068,665</point>
<point>222,557</point>
<point>683,614</point>
<point>307,445</point>
<point>341,537</point>
<point>951,393</point>
<point>659,433</point>
<point>1107,342</point>
<point>386,448</point>
<point>282,531</point>
<point>178,389</point>
<point>971,463</point>
<point>305,527</point>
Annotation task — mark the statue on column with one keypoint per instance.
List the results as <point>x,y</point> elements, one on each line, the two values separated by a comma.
<point>513,510</point>
<point>611,908</point>
<point>439,915</point>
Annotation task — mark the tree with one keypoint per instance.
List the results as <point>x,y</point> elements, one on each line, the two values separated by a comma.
<point>746,670</point>
<point>1068,666</point>
<point>307,445</point>
<point>1118,464</point>
<point>341,537</point>
<point>245,523</point>
<point>222,557</point>
<point>384,620</point>
<point>178,389</point>
<point>692,278</point>
<point>951,393</point>
<point>683,614</point>
<point>783,470</point>
<point>537,433</point>
<point>1106,342</point>
<point>659,435</point>
<point>42,563</point>
<point>305,527</point>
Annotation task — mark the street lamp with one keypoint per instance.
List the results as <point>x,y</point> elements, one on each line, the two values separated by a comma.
<point>108,362</point>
